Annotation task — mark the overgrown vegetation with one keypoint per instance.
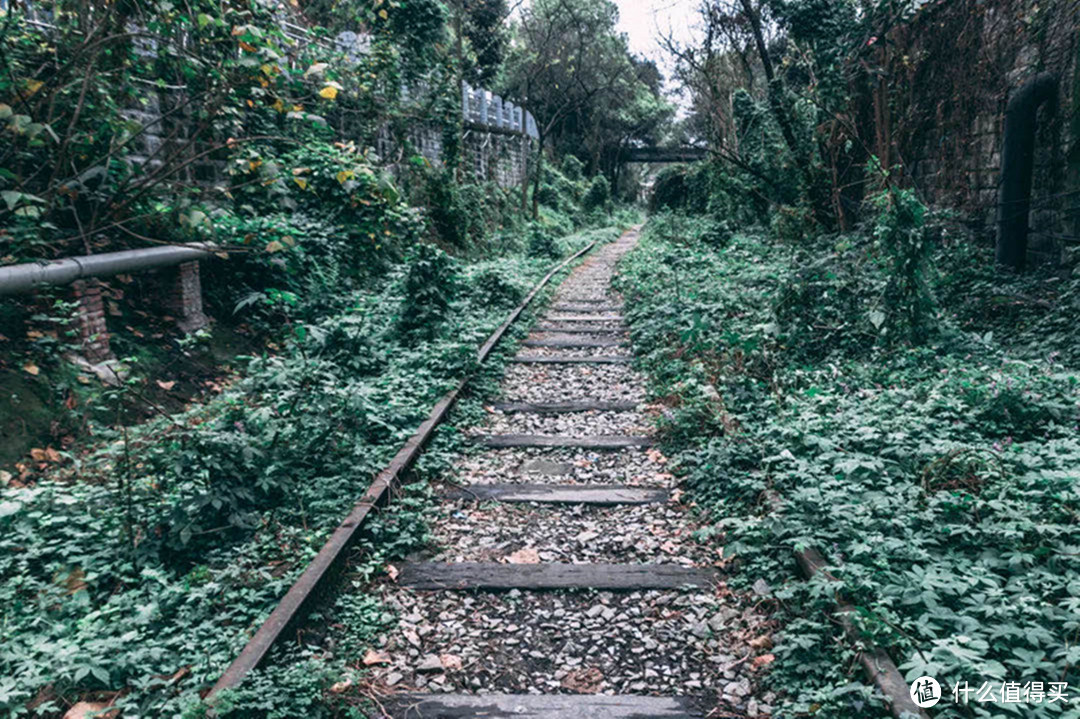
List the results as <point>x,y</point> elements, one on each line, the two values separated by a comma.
<point>352,290</point>
<point>885,399</point>
<point>139,582</point>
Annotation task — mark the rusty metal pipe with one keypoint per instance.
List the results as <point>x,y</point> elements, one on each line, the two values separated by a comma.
<point>27,277</point>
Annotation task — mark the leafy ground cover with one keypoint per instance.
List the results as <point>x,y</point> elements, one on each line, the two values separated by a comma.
<point>134,576</point>
<point>938,477</point>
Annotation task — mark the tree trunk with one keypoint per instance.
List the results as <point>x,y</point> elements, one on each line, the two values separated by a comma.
<point>818,201</point>
<point>527,146</point>
<point>536,181</point>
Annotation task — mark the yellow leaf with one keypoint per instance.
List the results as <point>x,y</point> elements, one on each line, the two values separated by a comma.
<point>275,246</point>
<point>344,175</point>
<point>528,555</point>
<point>329,92</point>
<point>31,368</point>
<point>33,86</point>
<point>301,182</point>
<point>279,105</point>
<point>383,14</point>
<point>254,164</point>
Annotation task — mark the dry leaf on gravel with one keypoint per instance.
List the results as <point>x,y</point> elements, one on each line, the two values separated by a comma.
<point>584,681</point>
<point>524,556</point>
<point>85,710</point>
<point>763,642</point>
<point>763,660</point>
<point>45,455</point>
<point>373,657</point>
<point>450,662</point>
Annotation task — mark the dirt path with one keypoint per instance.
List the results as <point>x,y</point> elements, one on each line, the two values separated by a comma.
<point>567,583</point>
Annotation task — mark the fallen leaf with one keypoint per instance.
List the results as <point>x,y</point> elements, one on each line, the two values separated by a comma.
<point>329,92</point>
<point>584,681</point>
<point>166,385</point>
<point>524,556</point>
<point>85,710</point>
<point>763,660</point>
<point>655,456</point>
<point>5,476</point>
<point>76,581</point>
<point>372,657</point>
<point>34,335</point>
<point>676,495</point>
<point>450,662</point>
<point>341,686</point>
<point>52,455</point>
<point>392,571</point>
<point>82,379</point>
<point>31,368</point>
<point>762,642</point>
<point>37,454</point>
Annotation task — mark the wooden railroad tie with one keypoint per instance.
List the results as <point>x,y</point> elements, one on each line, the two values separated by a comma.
<point>497,576</point>
<point>586,405</point>
<point>584,308</point>
<point>571,359</point>
<point>541,706</point>
<point>608,441</point>
<point>571,341</point>
<point>584,318</point>
<point>604,495</point>
<point>577,330</point>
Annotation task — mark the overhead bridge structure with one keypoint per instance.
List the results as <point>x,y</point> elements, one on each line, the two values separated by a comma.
<point>656,155</point>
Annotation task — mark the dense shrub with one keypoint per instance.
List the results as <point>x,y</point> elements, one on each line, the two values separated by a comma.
<point>598,196</point>
<point>542,242</point>
<point>430,285</point>
<point>937,480</point>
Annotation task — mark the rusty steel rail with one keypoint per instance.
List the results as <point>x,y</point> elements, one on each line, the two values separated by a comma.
<point>878,666</point>
<point>875,661</point>
<point>296,600</point>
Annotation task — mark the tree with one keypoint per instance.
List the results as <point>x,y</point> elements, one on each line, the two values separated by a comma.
<point>565,58</point>
<point>486,34</point>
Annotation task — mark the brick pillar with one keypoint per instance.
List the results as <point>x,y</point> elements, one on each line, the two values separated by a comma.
<point>93,334</point>
<point>183,296</point>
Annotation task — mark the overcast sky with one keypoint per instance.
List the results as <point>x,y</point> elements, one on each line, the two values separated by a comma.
<point>644,20</point>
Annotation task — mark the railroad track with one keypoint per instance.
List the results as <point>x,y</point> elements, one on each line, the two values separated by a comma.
<point>567,583</point>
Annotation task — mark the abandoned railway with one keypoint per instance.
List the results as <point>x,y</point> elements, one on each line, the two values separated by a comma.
<point>564,580</point>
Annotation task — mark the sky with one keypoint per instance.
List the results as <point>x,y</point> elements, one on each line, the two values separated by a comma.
<point>643,21</point>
